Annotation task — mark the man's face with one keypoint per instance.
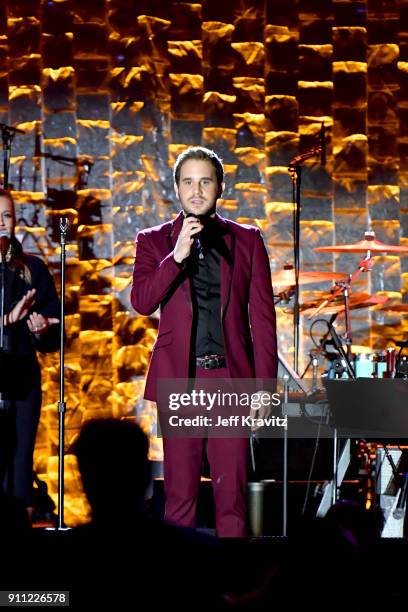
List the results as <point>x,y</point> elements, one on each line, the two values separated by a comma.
<point>198,189</point>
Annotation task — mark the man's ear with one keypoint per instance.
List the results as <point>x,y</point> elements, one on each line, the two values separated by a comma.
<point>221,190</point>
<point>176,190</point>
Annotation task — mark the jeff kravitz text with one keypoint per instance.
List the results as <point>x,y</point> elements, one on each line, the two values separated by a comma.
<point>231,421</point>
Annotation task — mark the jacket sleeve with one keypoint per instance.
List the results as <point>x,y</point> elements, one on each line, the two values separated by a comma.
<point>47,304</point>
<point>152,278</point>
<point>262,315</point>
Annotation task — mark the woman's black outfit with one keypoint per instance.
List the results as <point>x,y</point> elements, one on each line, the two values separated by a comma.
<point>20,376</point>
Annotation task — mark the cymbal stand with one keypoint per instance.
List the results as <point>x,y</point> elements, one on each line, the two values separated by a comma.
<point>344,286</point>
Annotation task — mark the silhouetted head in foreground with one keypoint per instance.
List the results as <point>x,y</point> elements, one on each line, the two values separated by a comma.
<point>356,525</point>
<point>113,460</point>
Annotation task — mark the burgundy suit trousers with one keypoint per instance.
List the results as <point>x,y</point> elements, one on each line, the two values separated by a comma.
<point>228,467</point>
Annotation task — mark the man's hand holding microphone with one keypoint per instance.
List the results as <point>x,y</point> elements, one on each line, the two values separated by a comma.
<point>190,228</point>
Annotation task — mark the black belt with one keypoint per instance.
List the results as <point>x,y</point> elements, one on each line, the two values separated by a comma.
<point>210,362</point>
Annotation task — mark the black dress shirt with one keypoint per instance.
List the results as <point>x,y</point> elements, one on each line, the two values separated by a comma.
<point>207,335</point>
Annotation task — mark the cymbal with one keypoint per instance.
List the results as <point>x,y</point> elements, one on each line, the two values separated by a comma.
<point>357,300</point>
<point>286,277</point>
<point>396,308</point>
<point>370,243</point>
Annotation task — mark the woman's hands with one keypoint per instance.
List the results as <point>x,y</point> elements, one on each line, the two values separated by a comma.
<point>22,308</point>
<point>37,323</point>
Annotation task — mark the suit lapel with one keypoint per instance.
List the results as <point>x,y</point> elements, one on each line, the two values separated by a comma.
<point>174,229</point>
<point>227,264</point>
<point>174,232</point>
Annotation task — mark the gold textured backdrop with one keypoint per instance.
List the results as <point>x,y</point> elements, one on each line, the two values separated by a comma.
<point>108,92</point>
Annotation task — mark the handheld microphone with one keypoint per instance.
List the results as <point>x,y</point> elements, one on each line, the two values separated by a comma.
<point>4,243</point>
<point>197,242</point>
<point>322,139</point>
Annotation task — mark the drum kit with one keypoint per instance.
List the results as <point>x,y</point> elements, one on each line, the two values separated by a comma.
<point>348,360</point>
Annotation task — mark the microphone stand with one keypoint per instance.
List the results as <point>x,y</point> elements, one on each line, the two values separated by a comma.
<point>2,338</point>
<point>7,134</point>
<point>64,223</point>
<point>295,170</point>
<point>7,138</point>
<point>2,299</point>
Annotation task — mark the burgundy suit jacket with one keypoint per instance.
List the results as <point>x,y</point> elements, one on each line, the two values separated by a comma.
<point>247,308</point>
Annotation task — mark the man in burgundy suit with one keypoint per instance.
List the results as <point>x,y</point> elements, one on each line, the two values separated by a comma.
<point>211,279</point>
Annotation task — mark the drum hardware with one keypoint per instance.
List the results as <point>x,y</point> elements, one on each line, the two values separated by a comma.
<point>283,297</point>
<point>391,357</point>
<point>286,277</point>
<point>344,287</point>
<point>380,365</point>
<point>341,363</point>
<point>352,361</point>
<point>314,355</point>
<point>357,300</point>
<point>320,348</point>
<point>345,356</point>
<point>369,245</point>
<point>361,356</point>
<point>363,361</point>
<point>315,366</point>
<point>339,368</point>
<point>401,366</point>
<point>368,363</point>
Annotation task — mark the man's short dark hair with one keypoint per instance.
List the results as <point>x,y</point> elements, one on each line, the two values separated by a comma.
<point>200,153</point>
